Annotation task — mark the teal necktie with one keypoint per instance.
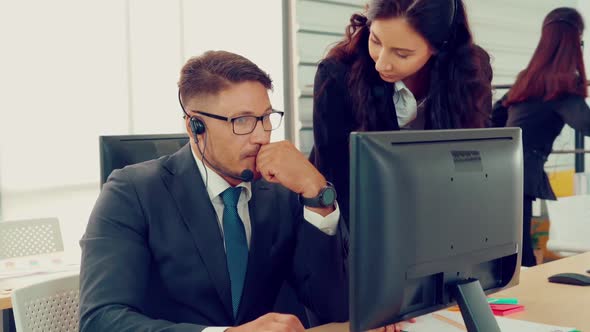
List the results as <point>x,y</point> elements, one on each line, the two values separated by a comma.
<point>236,245</point>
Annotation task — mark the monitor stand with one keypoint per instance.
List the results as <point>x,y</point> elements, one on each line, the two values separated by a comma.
<point>476,311</point>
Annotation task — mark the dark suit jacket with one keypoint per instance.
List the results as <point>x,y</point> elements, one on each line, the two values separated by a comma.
<point>153,257</point>
<point>541,123</point>
<point>334,120</point>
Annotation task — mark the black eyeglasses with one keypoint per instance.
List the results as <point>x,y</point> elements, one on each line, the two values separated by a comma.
<point>245,124</point>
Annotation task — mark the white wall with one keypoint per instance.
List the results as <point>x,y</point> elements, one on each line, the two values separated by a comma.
<point>63,82</point>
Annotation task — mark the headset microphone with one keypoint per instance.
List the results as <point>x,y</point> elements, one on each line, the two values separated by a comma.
<point>246,175</point>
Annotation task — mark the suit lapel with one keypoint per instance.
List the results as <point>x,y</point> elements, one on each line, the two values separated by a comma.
<point>184,182</point>
<point>261,219</point>
<point>383,94</point>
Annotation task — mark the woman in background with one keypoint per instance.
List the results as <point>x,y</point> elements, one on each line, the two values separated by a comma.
<point>548,93</point>
<point>405,64</point>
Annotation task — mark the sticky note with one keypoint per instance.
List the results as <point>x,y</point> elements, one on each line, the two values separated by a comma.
<point>506,309</point>
<point>508,300</point>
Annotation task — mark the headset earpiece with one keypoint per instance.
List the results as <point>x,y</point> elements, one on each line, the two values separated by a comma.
<point>197,125</point>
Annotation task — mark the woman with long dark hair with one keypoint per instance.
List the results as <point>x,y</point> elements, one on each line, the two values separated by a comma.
<point>548,93</point>
<point>404,64</point>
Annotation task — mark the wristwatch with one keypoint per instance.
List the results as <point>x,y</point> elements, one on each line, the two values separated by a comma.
<point>326,197</point>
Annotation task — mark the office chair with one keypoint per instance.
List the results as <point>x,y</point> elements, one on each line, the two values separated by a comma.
<point>569,228</point>
<point>30,237</point>
<point>50,305</point>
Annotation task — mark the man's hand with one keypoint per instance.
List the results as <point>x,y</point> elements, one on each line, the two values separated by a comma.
<point>282,163</point>
<point>271,322</point>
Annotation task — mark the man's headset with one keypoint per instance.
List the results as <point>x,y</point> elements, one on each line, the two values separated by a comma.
<point>198,128</point>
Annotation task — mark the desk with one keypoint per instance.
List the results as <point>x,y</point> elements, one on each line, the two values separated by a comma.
<point>551,303</point>
<point>545,302</point>
<point>5,302</point>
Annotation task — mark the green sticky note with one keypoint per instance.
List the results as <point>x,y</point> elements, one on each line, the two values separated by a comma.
<point>508,300</point>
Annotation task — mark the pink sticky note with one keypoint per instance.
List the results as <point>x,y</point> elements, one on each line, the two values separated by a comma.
<point>506,309</point>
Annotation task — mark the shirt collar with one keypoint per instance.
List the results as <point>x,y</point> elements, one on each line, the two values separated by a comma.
<point>216,184</point>
<point>400,86</point>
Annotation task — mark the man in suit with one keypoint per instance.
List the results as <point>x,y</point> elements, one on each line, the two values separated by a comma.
<point>188,242</point>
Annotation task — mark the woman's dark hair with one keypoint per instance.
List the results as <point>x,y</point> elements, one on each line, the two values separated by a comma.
<point>557,66</point>
<point>460,78</point>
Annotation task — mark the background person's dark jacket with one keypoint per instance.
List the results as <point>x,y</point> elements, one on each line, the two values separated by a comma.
<point>541,123</point>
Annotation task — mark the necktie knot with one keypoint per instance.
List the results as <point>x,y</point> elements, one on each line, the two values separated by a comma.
<point>230,196</point>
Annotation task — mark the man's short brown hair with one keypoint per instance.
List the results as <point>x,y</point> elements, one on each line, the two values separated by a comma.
<point>214,71</point>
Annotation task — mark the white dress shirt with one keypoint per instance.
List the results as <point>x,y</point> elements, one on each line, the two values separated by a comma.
<point>410,115</point>
<point>216,185</point>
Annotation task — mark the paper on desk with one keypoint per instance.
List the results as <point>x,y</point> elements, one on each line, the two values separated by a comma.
<point>430,322</point>
<point>39,264</point>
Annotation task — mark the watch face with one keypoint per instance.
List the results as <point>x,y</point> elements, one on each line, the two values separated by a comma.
<point>328,196</point>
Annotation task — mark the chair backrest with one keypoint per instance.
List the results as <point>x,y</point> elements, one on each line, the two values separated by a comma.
<point>118,151</point>
<point>50,305</point>
<point>30,237</point>
<point>569,230</point>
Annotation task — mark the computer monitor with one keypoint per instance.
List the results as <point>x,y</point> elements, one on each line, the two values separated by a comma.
<point>122,150</point>
<point>436,219</point>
